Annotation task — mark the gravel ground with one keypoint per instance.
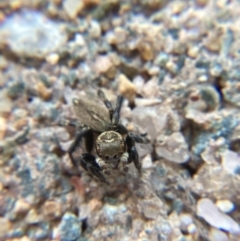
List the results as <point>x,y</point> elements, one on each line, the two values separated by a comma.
<point>177,65</point>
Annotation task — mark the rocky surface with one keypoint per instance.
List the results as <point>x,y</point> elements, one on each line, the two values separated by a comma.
<point>177,65</point>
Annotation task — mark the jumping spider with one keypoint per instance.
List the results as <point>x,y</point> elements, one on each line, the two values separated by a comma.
<point>115,147</point>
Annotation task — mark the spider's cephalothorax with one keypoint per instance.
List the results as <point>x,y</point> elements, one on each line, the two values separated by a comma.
<point>115,147</point>
<point>110,145</point>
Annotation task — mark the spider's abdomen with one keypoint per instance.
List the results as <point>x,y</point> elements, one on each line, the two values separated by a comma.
<point>110,144</point>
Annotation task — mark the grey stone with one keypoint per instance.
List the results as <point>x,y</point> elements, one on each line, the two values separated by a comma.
<point>70,228</point>
<point>31,34</point>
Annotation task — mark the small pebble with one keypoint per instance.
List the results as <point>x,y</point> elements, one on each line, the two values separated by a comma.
<point>15,4</point>
<point>151,88</point>
<point>154,70</point>
<point>140,102</point>
<point>32,217</point>
<point>192,228</point>
<point>79,40</point>
<point>32,34</point>
<point>21,207</point>
<point>147,162</point>
<point>52,58</point>
<point>3,62</point>
<point>70,227</point>
<point>120,35</point>
<point>146,51</point>
<point>52,209</point>
<point>138,81</point>
<point>217,235</point>
<point>161,59</point>
<point>43,91</point>
<point>210,213</point>
<point>73,7</point>
<point>94,29</point>
<point>173,148</point>
<point>5,227</point>
<point>103,64</point>
<point>202,3</point>
<point>151,208</point>
<point>216,70</point>
<point>126,88</point>
<point>177,7</point>
<point>231,161</point>
<point>3,127</point>
<point>185,221</point>
<point>172,67</point>
<point>193,51</point>
<point>5,104</point>
<point>226,206</point>
<point>203,78</point>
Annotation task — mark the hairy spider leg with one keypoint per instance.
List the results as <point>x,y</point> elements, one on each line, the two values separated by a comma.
<point>87,160</point>
<point>107,103</point>
<point>80,134</point>
<point>133,154</point>
<point>116,113</point>
<point>69,122</point>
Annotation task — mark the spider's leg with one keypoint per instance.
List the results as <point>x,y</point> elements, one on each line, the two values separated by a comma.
<point>69,122</point>
<point>139,139</point>
<point>116,113</point>
<point>107,103</point>
<point>122,129</point>
<point>123,164</point>
<point>133,154</point>
<point>89,141</point>
<point>88,162</point>
<point>80,134</point>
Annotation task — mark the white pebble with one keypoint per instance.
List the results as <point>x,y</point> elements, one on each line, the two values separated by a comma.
<point>218,235</point>
<point>73,7</point>
<point>230,161</point>
<point>225,206</point>
<point>213,216</point>
<point>192,228</point>
<point>147,162</point>
<point>52,58</point>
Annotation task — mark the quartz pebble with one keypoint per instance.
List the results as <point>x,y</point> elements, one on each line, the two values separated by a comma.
<point>52,209</point>
<point>3,127</point>
<point>73,7</point>
<point>210,213</point>
<point>226,206</point>
<point>148,119</point>
<point>218,235</point>
<point>231,161</point>
<point>5,227</point>
<point>95,29</point>
<point>140,102</point>
<point>185,221</point>
<point>151,208</point>
<point>52,58</point>
<point>126,88</point>
<point>147,162</point>
<point>103,64</point>
<point>173,148</point>
<point>33,217</point>
<point>20,207</point>
<point>31,34</point>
